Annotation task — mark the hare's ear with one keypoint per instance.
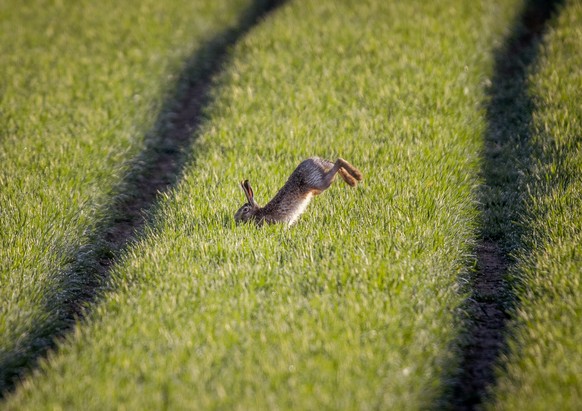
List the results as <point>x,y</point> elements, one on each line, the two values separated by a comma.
<point>249,189</point>
<point>249,192</point>
<point>244,189</point>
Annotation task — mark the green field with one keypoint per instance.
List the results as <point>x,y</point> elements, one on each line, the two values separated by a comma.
<point>357,306</point>
<point>81,84</point>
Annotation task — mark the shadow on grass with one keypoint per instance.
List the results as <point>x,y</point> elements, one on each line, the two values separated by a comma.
<point>507,153</point>
<point>154,171</point>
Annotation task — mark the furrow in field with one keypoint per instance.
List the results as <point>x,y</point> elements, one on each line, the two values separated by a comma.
<point>505,156</point>
<point>151,173</point>
<point>542,368</point>
<point>158,166</point>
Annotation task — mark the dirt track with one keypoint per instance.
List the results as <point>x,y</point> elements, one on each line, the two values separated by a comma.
<point>506,149</point>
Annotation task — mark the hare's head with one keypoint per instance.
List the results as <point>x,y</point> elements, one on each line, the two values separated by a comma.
<point>250,208</point>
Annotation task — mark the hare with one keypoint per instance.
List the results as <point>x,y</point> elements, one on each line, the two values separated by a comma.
<point>310,178</point>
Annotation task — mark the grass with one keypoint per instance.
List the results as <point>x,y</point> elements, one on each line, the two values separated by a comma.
<point>81,84</point>
<point>354,307</point>
<point>543,368</point>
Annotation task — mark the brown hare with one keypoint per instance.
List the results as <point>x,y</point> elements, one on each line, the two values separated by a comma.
<point>310,178</point>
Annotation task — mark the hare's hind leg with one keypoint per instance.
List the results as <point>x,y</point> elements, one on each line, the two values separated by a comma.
<point>348,177</point>
<point>349,173</point>
<point>323,182</point>
<point>353,171</point>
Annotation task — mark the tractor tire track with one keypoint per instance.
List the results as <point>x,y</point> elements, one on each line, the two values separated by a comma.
<point>506,155</point>
<point>154,171</point>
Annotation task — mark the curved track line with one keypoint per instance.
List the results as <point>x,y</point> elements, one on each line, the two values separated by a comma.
<point>509,113</point>
<point>154,171</point>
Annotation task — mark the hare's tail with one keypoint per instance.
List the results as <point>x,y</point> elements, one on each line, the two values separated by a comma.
<point>347,170</point>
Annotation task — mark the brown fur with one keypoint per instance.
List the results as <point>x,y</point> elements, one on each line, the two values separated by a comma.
<point>311,177</point>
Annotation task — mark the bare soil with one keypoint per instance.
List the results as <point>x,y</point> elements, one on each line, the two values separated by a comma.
<point>487,327</point>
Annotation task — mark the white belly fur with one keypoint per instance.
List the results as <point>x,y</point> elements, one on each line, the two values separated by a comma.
<point>299,209</point>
